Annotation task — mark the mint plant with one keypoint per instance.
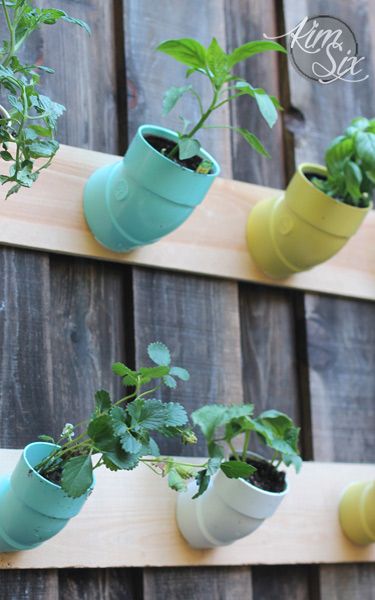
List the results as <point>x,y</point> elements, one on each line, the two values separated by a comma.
<point>28,124</point>
<point>119,435</point>
<point>350,163</point>
<point>222,425</point>
<point>217,66</point>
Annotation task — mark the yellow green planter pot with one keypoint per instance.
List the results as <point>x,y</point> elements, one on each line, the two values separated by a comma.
<point>301,228</point>
<point>357,512</point>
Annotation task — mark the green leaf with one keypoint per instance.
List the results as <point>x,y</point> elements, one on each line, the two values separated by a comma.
<point>118,421</point>
<point>353,179</point>
<point>176,482</point>
<point>175,415</point>
<point>150,373</point>
<point>365,149</point>
<point>172,96</point>
<point>208,418</point>
<point>78,22</point>
<point>265,103</point>
<point>6,155</point>
<point>46,438</point>
<point>235,469</point>
<point>130,378</point>
<point>338,153</point>
<point>146,414</point>
<point>185,50</point>
<point>252,140</point>
<point>129,443</point>
<point>102,401</point>
<point>188,147</point>
<point>179,372</point>
<point>217,62</point>
<point>43,148</point>
<point>101,432</point>
<point>77,476</point>
<point>159,353</point>
<point>169,382</point>
<point>251,48</point>
<point>202,479</point>
<point>119,459</point>
<point>360,123</point>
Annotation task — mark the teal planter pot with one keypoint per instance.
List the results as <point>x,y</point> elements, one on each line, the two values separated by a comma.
<point>144,196</point>
<point>32,509</point>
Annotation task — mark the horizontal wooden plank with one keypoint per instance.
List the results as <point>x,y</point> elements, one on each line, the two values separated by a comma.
<point>212,242</point>
<point>129,521</point>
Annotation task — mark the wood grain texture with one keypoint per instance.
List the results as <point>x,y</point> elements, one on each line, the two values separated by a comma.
<point>340,334</point>
<point>126,532</point>
<point>228,584</point>
<point>196,317</point>
<point>269,356</point>
<point>62,321</point>
<point>99,584</point>
<point>212,242</point>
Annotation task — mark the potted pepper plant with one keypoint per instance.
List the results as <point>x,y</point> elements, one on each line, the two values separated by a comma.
<point>28,124</point>
<point>165,174</point>
<point>321,209</point>
<point>53,479</point>
<point>237,489</point>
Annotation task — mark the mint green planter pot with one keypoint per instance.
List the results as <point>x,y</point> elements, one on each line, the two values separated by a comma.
<point>144,196</point>
<point>32,509</point>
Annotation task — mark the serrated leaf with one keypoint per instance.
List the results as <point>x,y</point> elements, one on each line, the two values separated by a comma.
<point>121,459</point>
<point>172,96</point>
<point>175,415</point>
<point>102,401</point>
<point>43,148</point>
<point>169,382</point>
<point>147,414</point>
<point>101,432</point>
<point>235,469</point>
<point>129,443</point>
<point>77,476</point>
<point>159,354</point>
<point>179,372</point>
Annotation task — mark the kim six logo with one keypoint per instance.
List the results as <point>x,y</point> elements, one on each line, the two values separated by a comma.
<point>324,49</point>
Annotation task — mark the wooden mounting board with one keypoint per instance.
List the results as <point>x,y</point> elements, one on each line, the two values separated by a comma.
<point>212,242</point>
<point>129,521</point>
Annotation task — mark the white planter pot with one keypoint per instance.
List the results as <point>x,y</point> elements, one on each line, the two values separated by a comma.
<point>229,510</point>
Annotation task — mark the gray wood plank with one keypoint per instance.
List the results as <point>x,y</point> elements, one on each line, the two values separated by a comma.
<point>196,317</point>
<point>62,319</point>
<point>226,583</point>
<point>99,584</point>
<point>340,334</point>
<point>270,362</point>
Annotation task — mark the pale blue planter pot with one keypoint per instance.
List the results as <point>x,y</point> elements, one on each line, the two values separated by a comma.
<point>144,196</point>
<point>32,509</point>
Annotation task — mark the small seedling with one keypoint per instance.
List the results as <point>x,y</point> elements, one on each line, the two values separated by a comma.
<point>221,425</point>
<point>28,125</point>
<point>350,162</point>
<point>218,67</point>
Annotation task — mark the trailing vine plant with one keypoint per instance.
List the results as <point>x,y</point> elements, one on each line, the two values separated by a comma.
<point>28,123</point>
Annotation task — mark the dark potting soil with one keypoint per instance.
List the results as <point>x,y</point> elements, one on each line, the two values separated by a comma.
<point>164,146</point>
<point>53,476</point>
<point>266,476</point>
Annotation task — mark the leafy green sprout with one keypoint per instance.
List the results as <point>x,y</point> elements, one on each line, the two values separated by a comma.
<point>350,163</point>
<point>119,435</point>
<point>222,424</point>
<point>217,66</point>
<point>28,125</point>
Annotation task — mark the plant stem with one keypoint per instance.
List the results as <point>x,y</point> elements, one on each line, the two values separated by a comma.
<point>12,41</point>
<point>246,444</point>
<point>234,451</point>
